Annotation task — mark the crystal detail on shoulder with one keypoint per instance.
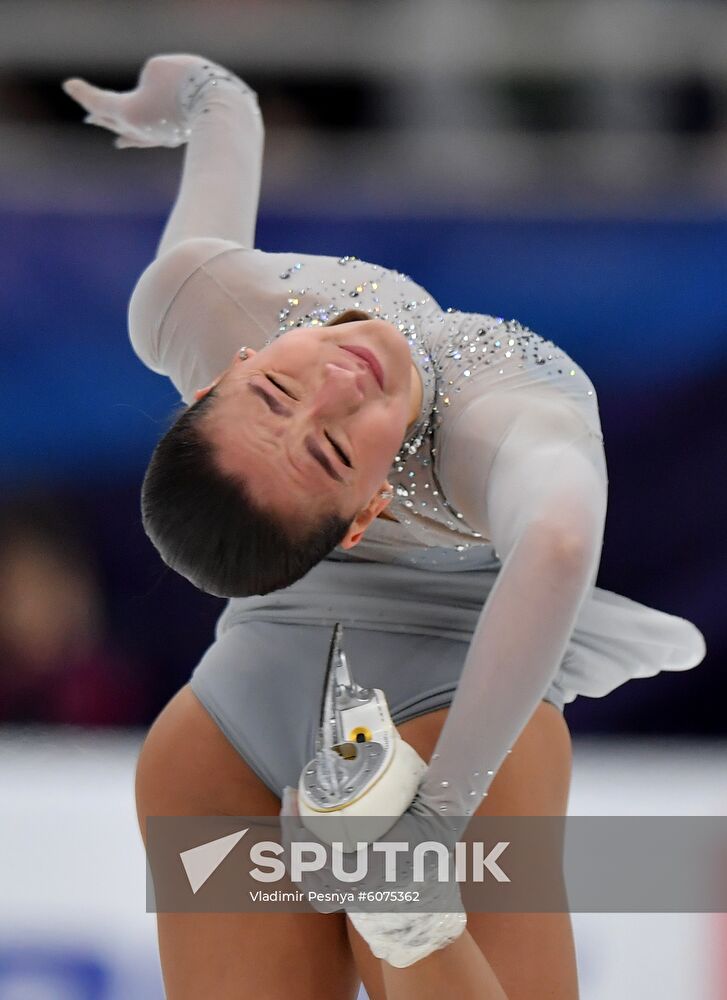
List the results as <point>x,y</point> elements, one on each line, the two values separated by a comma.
<point>448,347</point>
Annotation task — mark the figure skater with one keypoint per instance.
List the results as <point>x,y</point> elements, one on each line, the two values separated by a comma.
<point>350,452</point>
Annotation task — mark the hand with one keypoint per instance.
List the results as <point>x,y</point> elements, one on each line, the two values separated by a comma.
<point>160,110</point>
<point>419,823</point>
<point>291,828</point>
<point>411,931</point>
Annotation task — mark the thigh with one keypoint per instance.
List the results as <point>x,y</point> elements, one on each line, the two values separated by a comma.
<point>186,768</point>
<point>532,954</point>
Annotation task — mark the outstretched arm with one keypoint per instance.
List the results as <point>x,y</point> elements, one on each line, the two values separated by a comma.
<point>188,99</point>
<point>543,505</point>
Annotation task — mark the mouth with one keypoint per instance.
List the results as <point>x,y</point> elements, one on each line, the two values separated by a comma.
<point>371,360</point>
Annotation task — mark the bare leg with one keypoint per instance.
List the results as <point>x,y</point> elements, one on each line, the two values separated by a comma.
<point>460,968</point>
<point>188,768</point>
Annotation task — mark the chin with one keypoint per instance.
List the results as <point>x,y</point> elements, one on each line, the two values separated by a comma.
<point>394,340</point>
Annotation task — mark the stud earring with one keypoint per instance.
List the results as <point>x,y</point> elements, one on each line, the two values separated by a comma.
<point>243,353</point>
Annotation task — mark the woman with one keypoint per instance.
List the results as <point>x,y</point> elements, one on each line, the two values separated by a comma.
<point>369,459</point>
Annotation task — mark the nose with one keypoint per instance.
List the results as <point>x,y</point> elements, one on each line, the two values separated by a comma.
<point>339,392</point>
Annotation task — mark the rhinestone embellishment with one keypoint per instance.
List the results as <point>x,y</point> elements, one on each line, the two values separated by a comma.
<point>449,349</point>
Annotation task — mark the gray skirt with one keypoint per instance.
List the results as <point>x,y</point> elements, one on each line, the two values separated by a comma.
<point>407,630</point>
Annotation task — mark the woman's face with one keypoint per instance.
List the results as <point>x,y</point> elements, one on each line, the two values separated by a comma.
<point>306,425</point>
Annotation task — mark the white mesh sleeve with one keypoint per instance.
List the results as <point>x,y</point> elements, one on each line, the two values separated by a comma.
<point>187,99</point>
<point>158,292</point>
<point>220,187</point>
<point>542,502</point>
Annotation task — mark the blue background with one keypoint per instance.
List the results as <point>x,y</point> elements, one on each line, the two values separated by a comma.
<point>640,304</point>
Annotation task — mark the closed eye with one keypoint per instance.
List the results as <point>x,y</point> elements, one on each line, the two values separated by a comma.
<point>339,451</point>
<point>279,386</point>
<point>337,448</point>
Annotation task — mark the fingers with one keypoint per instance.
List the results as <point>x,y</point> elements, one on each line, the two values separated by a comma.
<point>105,121</point>
<point>290,823</point>
<point>289,802</point>
<point>101,105</point>
<point>124,142</point>
<point>292,829</point>
<point>89,97</point>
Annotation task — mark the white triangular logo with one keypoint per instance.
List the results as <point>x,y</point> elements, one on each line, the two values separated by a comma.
<point>200,862</point>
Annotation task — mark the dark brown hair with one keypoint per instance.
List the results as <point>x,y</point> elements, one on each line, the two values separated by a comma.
<point>206,526</point>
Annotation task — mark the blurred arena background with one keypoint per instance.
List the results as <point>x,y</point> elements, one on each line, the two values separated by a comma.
<point>563,162</point>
